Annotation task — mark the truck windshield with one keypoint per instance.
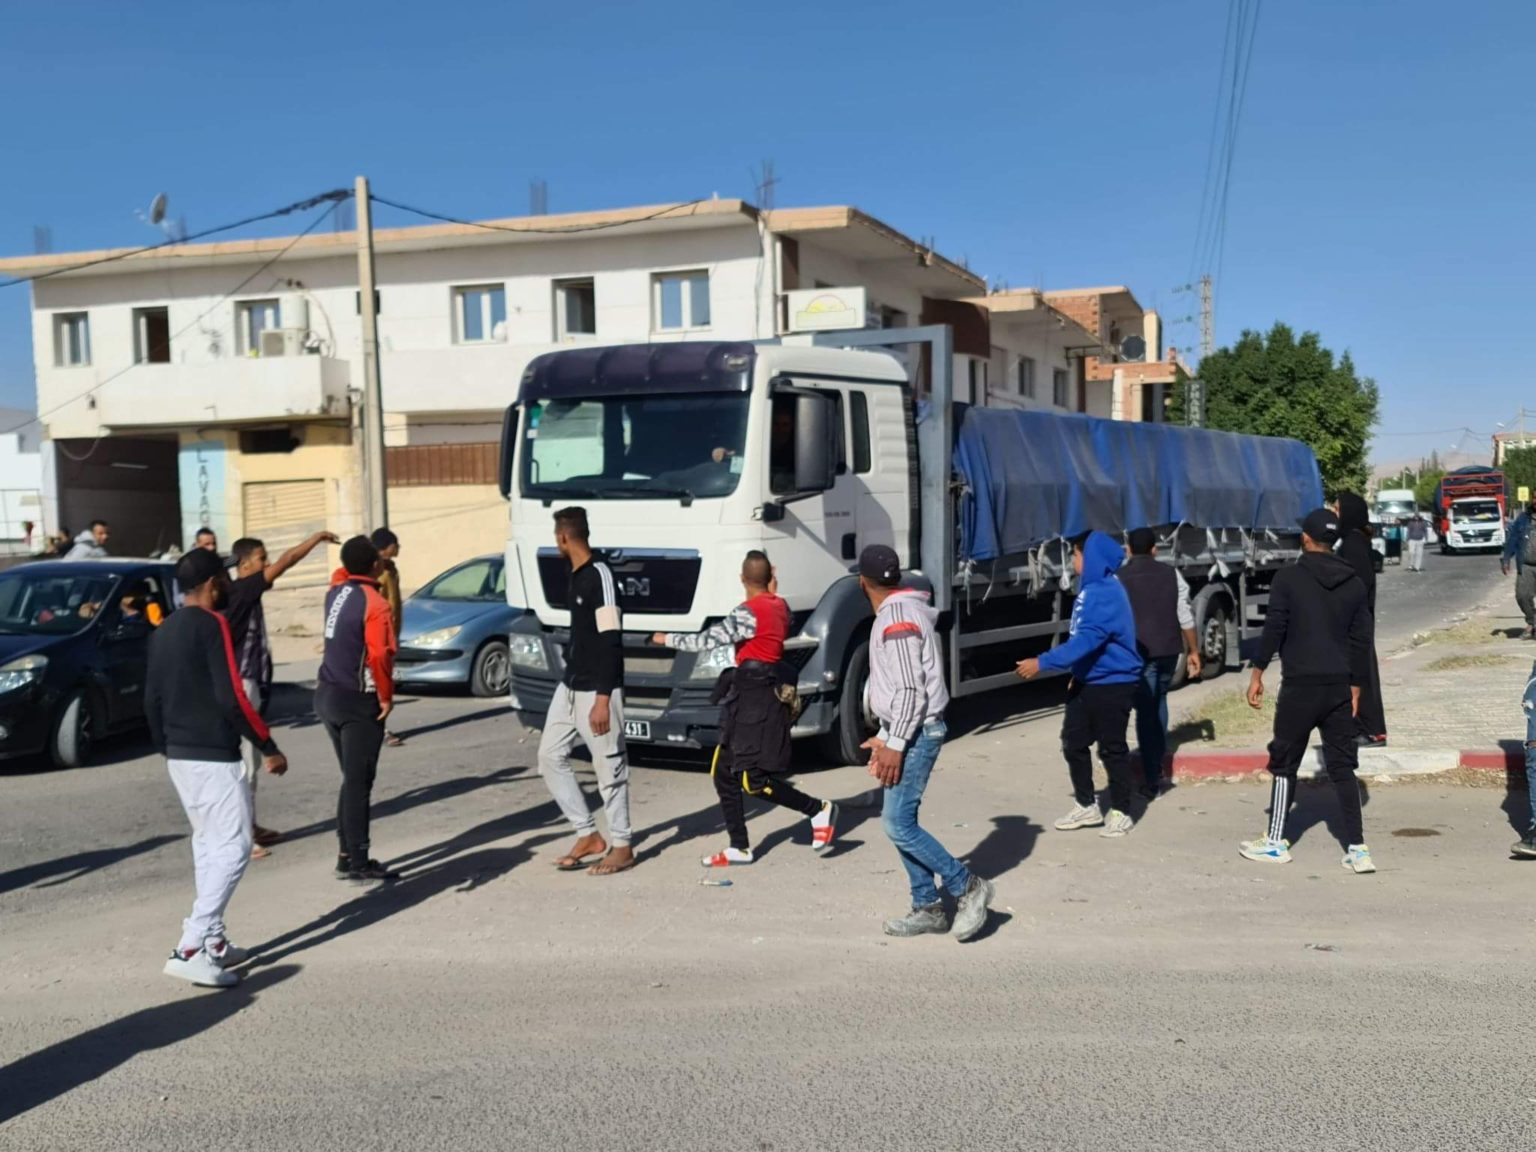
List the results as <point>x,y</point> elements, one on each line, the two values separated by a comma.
<point>1476,511</point>
<point>1395,509</point>
<point>634,447</point>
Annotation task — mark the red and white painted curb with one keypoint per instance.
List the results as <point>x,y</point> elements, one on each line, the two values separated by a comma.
<point>1193,764</point>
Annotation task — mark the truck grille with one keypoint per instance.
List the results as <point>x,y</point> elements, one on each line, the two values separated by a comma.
<point>653,582</point>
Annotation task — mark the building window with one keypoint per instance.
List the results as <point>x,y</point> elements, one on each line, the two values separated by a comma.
<point>253,317</point>
<point>1024,377</point>
<point>477,310</point>
<point>152,335</point>
<point>862,461</point>
<point>575,309</point>
<point>977,380</point>
<point>71,339</point>
<point>1059,388</point>
<point>681,301</point>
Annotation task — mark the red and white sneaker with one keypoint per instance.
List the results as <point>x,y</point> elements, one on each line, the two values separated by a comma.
<point>824,828</point>
<point>726,858</point>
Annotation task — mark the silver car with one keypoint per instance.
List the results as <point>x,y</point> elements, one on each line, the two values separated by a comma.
<point>454,630</point>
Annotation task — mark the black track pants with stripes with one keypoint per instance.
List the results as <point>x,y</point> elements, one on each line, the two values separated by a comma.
<point>1302,709</point>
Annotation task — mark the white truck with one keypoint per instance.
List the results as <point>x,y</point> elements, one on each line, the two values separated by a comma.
<point>687,455</point>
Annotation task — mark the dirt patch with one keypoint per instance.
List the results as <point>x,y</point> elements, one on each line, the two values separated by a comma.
<point>1227,720</point>
<point>1411,832</point>
<point>1465,660</point>
<point>1480,628</point>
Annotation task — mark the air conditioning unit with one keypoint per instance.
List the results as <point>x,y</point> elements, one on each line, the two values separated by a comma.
<point>282,342</point>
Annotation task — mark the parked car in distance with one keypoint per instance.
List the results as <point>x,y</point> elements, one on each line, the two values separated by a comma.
<point>74,650</point>
<point>454,630</point>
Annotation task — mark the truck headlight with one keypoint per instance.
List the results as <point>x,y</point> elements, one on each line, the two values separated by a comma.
<point>712,662</point>
<point>437,638</point>
<point>527,651</point>
<point>22,671</point>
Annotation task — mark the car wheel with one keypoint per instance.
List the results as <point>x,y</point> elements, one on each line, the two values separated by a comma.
<point>492,672</point>
<point>69,745</point>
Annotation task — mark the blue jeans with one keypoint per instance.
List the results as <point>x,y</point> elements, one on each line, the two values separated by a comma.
<point>921,855</point>
<point>1152,715</point>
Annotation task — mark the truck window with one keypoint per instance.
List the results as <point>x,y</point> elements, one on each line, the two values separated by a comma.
<point>861,454</point>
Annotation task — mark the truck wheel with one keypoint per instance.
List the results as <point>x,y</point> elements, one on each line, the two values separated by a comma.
<point>1212,627</point>
<point>69,744</point>
<point>492,671</point>
<point>850,727</point>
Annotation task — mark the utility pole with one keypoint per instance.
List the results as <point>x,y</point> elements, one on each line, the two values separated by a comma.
<point>376,499</point>
<point>1207,318</point>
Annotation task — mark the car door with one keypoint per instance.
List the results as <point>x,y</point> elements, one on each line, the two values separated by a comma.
<point>123,644</point>
<point>823,527</point>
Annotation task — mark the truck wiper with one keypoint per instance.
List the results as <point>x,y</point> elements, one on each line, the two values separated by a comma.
<point>683,495</point>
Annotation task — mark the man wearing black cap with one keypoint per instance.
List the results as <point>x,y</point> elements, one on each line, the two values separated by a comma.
<point>907,694</point>
<point>1165,630</point>
<point>1320,626</point>
<point>198,712</point>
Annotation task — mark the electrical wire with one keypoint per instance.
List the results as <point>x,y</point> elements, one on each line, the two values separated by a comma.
<point>1210,154</point>
<point>446,219</point>
<point>288,247</point>
<point>335,197</point>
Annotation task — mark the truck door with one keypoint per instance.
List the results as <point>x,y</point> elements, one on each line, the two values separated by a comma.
<point>821,531</point>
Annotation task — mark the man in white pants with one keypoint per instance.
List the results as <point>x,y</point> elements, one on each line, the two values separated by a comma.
<point>198,713</point>
<point>589,703</point>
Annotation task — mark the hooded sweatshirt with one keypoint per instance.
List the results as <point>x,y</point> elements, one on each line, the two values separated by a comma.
<point>1101,648</point>
<point>1318,623</point>
<point>906,673</point>
<point>1355,542</point>
<point>85,547</point>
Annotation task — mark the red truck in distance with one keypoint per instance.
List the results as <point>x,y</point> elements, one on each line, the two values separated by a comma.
<point>1471,510</point>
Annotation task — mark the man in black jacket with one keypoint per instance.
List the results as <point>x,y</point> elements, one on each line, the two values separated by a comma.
<point>198,713</point>
<point>1320,626</point>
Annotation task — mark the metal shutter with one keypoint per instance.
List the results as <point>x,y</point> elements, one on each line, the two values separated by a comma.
<point>281,514</point>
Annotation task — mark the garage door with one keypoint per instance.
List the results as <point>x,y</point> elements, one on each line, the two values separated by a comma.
<point>281,514</point>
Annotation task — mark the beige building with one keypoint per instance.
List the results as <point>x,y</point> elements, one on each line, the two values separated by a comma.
<point>218,384</point>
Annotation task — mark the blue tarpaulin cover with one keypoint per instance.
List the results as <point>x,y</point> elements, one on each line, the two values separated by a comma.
<point>1035,476</point>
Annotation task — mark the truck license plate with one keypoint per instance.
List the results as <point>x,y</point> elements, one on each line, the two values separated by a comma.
<point>637,729</point>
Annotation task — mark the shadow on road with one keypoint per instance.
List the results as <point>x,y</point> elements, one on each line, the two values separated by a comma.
<point>67,868</point>
<point>454,721</point>
<point>61,1068</point>
<point>1318,804</point>
<point>1005,847</point>
<point>416,797</point>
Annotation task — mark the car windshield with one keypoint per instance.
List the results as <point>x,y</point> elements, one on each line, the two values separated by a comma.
<point>477,580</point>
<point>634,447</point>
<point>35,599</point>
<point>1476,511</point>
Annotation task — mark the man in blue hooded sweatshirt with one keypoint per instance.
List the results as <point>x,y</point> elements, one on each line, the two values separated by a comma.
<point>1106,667</point>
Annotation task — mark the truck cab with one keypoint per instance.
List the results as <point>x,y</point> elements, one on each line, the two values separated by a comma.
<point>685,457</point>
<point>1474,523</point>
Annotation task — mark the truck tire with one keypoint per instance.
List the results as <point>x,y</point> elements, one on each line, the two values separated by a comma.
<point>69,741</point>
<point>1213,628</point>
<point>850,729</point>
<point>491,674</point>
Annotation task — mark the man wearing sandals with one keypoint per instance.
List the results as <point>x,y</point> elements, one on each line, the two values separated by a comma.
<point>589,703</point>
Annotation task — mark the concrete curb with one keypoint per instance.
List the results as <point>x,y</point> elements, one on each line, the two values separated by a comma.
<point>1233,764</point>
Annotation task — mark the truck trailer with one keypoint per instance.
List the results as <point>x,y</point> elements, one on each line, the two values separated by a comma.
<point>687,455</point>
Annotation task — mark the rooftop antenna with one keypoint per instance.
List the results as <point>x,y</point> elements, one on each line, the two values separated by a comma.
<point>175,230</point>
<point>42,239</point>
<point>766,182</point>
<point>538,198</point>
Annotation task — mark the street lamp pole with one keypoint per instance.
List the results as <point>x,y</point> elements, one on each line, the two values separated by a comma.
<point>376,493</point>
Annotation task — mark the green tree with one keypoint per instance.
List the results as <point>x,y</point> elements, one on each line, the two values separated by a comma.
<point>1277,385</point>
<point>1424,490</point>
<point>1519,470</point>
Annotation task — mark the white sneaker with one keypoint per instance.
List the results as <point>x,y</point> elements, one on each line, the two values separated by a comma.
<point>1082,816</point>
<point>1358,859</point>
<point>1117,823</point>
<point>200,969</point>
<point>1266,851</point>
<point>225,954</point>
<point>726,857</point>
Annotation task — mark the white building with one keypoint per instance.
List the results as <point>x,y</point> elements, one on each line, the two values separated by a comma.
<point>217,383</point>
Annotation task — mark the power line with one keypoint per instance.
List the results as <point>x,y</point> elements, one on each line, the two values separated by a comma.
<point>183,330</point>
<point>1210,155</point>
<point>335,196</point>
<point>446,219</point>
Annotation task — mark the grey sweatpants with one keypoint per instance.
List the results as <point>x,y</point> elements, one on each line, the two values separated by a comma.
<point>1525,593</point>
<point>569,716</point>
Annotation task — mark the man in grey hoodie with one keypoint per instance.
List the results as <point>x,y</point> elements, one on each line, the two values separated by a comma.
<point>90,544</point>
<point>908,696</point>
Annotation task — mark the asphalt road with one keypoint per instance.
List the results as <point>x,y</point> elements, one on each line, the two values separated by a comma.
<point>1409,602</point>
<point>1156,992</point>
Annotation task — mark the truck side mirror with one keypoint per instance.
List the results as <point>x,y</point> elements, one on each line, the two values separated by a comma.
<point>815,443</point>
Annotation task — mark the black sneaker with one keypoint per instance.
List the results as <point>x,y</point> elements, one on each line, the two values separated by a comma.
<point>343,868</point>
<point>371,873</point>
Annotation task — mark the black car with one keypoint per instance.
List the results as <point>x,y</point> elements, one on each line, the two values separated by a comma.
<point>74,647</point>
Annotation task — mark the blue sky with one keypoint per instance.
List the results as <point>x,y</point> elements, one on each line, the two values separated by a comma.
<point>1381,194</point>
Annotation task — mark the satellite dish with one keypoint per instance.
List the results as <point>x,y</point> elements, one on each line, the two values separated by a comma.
<point>157,209</point>
<point>1133,348</point>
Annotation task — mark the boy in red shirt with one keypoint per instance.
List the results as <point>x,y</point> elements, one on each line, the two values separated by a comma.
<point>755,722</point>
